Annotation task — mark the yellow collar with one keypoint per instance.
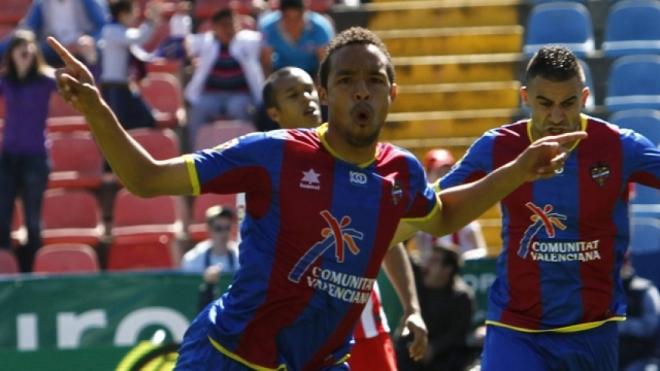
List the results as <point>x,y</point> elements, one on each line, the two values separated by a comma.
<point>322,131</point>
<point>584,120</point>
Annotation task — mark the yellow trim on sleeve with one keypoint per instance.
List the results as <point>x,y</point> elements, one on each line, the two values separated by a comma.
<point>322,130</point>
<point>192,174</point>
<point>242,360</point>
<point>343,359</point>
<point>572,328</point>
<point>584,121</point>
<point>436,209</point>
<point>436,187</point>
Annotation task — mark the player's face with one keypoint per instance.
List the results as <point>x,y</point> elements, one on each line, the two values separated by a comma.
<point>297,101</point>
<point>220,231</point>
<point>555,105</point>
<point>23,55</point>
<point>359,93</point>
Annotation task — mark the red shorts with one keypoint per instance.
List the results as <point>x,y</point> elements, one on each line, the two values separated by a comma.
<point>376,353</point>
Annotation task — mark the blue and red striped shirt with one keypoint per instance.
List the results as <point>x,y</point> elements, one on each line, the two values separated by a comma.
<point>564,238</point>
<point>315,233</point>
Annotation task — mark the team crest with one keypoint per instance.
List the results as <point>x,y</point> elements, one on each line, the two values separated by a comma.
<point>600,172</point>
<point>397,192</point>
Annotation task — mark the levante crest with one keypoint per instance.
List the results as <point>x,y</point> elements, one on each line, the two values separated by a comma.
<point>600,172</point>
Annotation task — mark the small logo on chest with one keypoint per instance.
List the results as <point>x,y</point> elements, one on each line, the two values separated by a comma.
<point>357,178</point>
<point>600,172</point>
<point>310,180</point>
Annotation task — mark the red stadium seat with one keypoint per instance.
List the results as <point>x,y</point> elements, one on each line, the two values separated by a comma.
<point>66,258</point>
<point>218,132</point>
<point>143,255</point>
<point>59,107</point>
<point>163,92</point>
<point>12,11</point>
<point>206,8</point>
<point>76,161</point>
<point>160,143</point>
<point>71,216</point>
<point>67,124</point>
<point>6,29</point>
<point>138,220</point>
<point>8,263</point>
<point>197,229</point>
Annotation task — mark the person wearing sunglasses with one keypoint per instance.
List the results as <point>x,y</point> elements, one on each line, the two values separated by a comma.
<point>215,255</point>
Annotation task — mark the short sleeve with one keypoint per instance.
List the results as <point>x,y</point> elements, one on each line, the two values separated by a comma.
<point>424,202</point>
<point>476,163</point>
<point>643,157</point>
<point>238,165</point>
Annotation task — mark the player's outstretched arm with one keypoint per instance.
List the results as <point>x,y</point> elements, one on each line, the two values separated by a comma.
<point>399,270</point>
<point>464,203</point>
<point>138,171</point>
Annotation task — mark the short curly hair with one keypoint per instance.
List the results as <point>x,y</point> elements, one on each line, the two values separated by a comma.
<point>353,35</point>
<point>555,63</point>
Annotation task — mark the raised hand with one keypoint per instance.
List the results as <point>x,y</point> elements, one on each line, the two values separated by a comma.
<point>75,82</point>
<point>546,156</point>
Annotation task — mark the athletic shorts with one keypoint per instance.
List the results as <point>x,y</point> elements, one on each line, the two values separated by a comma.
<point>509,350</point>
<point>197,352</point>
<point>376,353</point>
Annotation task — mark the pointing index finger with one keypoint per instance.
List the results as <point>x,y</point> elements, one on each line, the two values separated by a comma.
<point>64,54</point>
<point>569,137</point>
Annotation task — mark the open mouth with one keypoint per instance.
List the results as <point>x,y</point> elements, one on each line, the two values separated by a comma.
<point>362,114</point>
<point>556,131</point>
<point>311,111</point>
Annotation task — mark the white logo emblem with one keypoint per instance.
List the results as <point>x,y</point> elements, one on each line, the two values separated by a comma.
<point>358,178</point>
<point>310,180</point>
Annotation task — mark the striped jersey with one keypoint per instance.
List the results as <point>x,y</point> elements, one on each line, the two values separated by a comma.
<point>373,321</point>
<point>564,238</point>
<point>315,232</point>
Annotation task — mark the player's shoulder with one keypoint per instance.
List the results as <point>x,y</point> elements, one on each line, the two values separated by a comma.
<point>269,20</point>
<point>389,154</point>
<point>517,129</point>
<point>598,128</point>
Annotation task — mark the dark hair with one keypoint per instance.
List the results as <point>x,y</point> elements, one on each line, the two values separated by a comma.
<point>118,7</point>
<point>222,14</point>
<point>555,63</point>
<point>38,67</point>
<point>216,212</point>
<point>268,92</point>
<point>353,35</point>
<point>450,256</point>
<point>292,4</point>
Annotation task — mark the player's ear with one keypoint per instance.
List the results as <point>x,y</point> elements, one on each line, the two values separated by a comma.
<point>584,96</point>
<point>273,113</point>
<point>394,91</point>
<point>323,95</point>
<point>524,95</point>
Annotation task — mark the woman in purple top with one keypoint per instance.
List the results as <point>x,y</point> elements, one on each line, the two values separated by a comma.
<point>25,85</point>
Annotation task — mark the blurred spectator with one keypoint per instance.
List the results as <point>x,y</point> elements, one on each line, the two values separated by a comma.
<point>638,334</point>
<point>294,37</point>
<point>228,78</point>
<point>215,255</point>
<point>118,44</point>
<point>75,23</point>
<point>26,86</point>
<point>180,27</point>
<point>447,307</point>
<point>470,239</point>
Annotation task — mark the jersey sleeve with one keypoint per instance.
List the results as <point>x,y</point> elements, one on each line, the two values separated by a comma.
<point>643,157</point>
<point>477,162</point>
<point>237,165</point>
<point>424,201</point>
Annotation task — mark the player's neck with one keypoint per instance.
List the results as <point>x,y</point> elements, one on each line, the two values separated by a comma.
<point>357,155</point>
